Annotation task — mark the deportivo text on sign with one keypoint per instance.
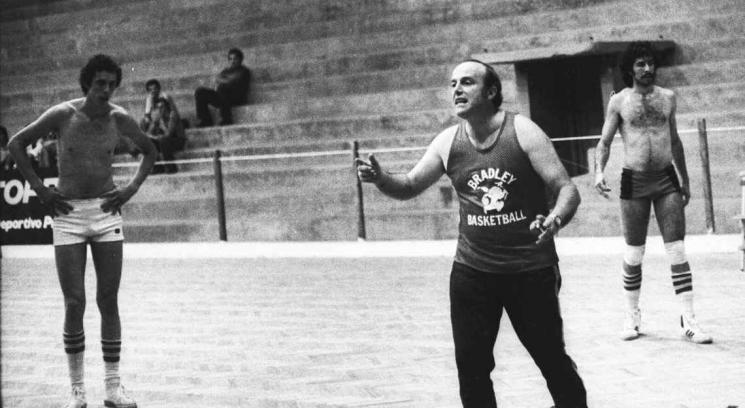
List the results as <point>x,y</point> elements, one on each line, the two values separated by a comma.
<point>24,220</point>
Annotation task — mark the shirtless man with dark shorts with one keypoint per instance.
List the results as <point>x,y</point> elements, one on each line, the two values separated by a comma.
<point>645,116</point>
<point>86,207</point>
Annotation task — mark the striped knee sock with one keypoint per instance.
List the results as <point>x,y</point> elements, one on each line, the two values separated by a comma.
<point>632,283</point>
<point>681,275</point>
<point>75,350</point>
<point>111,350</point>
<point>683,286</point>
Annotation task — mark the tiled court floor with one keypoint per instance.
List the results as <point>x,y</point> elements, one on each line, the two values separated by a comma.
<point>367,332</point>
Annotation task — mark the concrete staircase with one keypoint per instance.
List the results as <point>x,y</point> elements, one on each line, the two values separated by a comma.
<point>329,72</point>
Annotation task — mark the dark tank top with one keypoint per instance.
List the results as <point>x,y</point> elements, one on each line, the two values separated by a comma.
<point>500,194</point>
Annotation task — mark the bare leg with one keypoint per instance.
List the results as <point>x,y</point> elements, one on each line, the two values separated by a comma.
<point>107,257</point>
<point>635,218</point>
<point>70,261</point>
<point>670,217</point>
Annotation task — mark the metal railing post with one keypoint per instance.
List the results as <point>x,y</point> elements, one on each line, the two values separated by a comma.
<point>217,165</point>
<point>704,153</point>
<point>741,218</point>
<point>361,231</point>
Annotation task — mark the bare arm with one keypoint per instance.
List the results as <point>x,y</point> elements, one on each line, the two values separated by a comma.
<point>679,159</point>
<point>545,161</point>
<point>426,172</point>
<point>47,122</point>
<point>602,151</point>
<point>129,129</point>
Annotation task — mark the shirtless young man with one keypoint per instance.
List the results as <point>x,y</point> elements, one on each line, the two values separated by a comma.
<point>645,115</point>
<point>87,206</point>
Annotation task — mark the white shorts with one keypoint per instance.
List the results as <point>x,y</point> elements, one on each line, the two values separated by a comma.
<point>86,223</point>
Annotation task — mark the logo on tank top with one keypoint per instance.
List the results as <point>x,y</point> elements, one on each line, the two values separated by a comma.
<point>491,184</point>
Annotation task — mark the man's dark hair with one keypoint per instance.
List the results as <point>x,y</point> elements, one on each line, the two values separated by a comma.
<point>98,63</point>
<point>491,79</point>
<point>238,53</point>
<point>634,51</point>
<point>152,82</point>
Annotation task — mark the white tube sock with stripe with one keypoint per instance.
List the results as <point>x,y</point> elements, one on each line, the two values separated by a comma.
<point>681,275</point>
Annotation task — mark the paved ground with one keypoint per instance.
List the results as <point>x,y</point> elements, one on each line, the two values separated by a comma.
<point>285,328</point>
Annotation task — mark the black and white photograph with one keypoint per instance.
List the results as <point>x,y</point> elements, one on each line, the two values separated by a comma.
<point>372,204</point>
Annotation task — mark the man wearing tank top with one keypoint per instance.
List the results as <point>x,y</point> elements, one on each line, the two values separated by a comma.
<point>501,165</point>
<point>86,205</point>
<point>645,116</point>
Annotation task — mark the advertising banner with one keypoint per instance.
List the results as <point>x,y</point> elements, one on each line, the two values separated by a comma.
<point>23,218</point>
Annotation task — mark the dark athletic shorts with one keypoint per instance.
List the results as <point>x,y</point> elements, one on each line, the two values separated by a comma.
<point>651,185</point>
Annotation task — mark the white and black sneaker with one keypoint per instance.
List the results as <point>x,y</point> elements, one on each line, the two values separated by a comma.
<point>77,399</point>
<point>116,397</point>
<point>692,332</point>
<point>631,325</point>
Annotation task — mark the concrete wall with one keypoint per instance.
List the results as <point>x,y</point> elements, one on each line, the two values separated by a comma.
<point>329,72</point>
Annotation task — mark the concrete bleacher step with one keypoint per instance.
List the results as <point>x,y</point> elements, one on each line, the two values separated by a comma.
<point>443,13</point>
<point>282,24</point>
<point>710,97</point>
<point>402,223</point>
<point>691,27</point>
<point>704,73</point>
<point>716,118</point>
<point>306,130</point>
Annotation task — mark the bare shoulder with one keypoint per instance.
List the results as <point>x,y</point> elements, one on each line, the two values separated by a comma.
<point>667,95</point>
<point>526,128</point>
<point>530,136</point>
<point>118,111</point>
<point>617,99</point>
<point>119,114</point>
<point>446,134</point>
<point>666,92</point>
<point>55,116</point>
<point>64,109</point>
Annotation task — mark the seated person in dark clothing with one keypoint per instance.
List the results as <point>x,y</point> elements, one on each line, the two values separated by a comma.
<point>232,90</point>
<point>153,93</point>
<point>167,133</point>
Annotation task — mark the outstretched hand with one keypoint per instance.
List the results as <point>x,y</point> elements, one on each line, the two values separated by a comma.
<point>545,227</point>
<point>368,171</point>
<point>54,200</point>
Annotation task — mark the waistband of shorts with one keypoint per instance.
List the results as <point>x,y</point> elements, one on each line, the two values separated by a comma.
<point>652,173</point>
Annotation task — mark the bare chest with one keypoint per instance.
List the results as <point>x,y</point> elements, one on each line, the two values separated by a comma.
<point>648,111</point>
<point>86,138</point>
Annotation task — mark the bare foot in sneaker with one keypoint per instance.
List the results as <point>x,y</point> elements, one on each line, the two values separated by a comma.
<point>692,332</point>
<point>631,325</point>
<point>77,399</point>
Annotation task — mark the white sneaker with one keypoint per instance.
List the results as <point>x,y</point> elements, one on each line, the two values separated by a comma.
<point>77,399</point>
<point>116,397</point>
<point>691,331</point>
<point>631,325</point>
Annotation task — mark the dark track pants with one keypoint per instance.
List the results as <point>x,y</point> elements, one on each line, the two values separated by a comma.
<point>532,303</point>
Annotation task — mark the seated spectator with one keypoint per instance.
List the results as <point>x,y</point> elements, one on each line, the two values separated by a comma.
<point>232,90</point>
<point>167,132</point>
<point>154,91</point>
<point>6,161</point>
